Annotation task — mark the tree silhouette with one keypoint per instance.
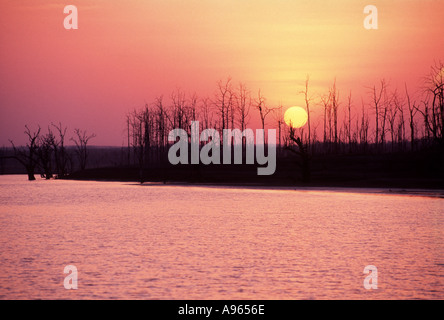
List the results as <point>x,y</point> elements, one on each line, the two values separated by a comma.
<point>263,109</point>
<point>301,151</point>
<point>81,141</point>
<point>307,100</point>
<point>60,154</point>
<point>224,100</point>
<point>28,156</point>
<point>45,152</point>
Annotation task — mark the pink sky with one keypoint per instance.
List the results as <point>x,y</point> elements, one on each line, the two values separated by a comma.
<point>128,52</point>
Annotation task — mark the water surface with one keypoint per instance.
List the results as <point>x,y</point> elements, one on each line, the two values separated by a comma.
<point>179,242</point>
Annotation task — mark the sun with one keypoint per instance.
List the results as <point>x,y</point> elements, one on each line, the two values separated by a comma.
<point>295,117</point>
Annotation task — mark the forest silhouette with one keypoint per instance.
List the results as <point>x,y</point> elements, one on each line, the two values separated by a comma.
<point>394,140</point>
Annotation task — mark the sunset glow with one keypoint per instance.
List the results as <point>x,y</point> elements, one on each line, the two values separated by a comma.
<point>221,151</point>
<point>126,53</point>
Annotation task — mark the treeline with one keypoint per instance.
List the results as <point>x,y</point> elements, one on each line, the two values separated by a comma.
<point>48,154</point>
<point>148,128</point>
<point>391,120</point>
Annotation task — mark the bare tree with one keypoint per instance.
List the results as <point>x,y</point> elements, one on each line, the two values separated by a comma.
<point>136,135</point>
<point>243,105</point>
<point>325,100</point>
<point>401,137</point>
<point>142,132</point>
<point>128,119</point>
<point>161,126</point>
<point>45,152</point>
<point>377,95</point>
<point>179,110</point>
<point>314,136</point>
<point>334,100</point>
<point>81,140</point>
<point>193,111</point>
<point>307,106</point>
<point>434,111</point>
<point>207,113</point>
<point>348,122</point>
<point>28,156</point>
<point>392,112</point>
<point>386,105</point>
<point>263,109</point>
<point>60,154</point>
<point>295,145</point>
<point>363,132</point>
<point>278,114</point>
<point>231,109</point>
<point>223,101</point>
<point>412,112</point>
<point>428,123</point>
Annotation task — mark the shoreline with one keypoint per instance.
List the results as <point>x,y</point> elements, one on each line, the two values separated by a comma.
<point>363,186</point>
<point>435,193</point>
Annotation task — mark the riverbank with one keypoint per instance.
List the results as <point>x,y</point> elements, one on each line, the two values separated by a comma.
<point>401,171</point>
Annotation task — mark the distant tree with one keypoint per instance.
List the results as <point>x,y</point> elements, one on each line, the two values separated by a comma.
<point>363,132</point>
<point>81,140</point>
<point>224,101</point>
<point>148,133</point>
<point>28,156</point>
<point>325,100</point>
<point>314,136</point>
<point>307,100</point>
<point>243,105</point>
<point>433,112</point>
<point>295,145</point>
<point>128,128</point>
<point>401,132</point>
<point>278,114</point>
<point>263,109</point>
<point>334,100</point>
<point>386,105</point>
<point>45,152</point>
<point>428,124</point>
<point>232,110</point>
<point>392,113</point>
<point>179,118</point>
<point>348,126</point>
<point>60,154</point>
<point>161,125</point>
<point>135,133</point>
<point>376,96</point>
<point>412,112</point>
<point>438,99</point>
<point>193,108</point>
<point>206,114</point>
<point>142,133</point>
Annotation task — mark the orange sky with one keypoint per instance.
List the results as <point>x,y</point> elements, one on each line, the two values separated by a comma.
<point>127,52</point>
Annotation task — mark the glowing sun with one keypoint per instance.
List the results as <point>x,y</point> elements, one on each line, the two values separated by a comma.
<point>295,117</point>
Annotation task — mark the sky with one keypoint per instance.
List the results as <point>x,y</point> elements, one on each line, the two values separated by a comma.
<point>126,53</point>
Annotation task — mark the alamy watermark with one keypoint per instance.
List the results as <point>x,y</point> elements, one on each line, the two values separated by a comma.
<point>210,153</point>
<point>70,282</point>
<point>371,21</point>
<point>71,20</point>
<point>371,281</point>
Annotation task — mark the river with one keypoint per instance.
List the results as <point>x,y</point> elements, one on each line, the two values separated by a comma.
<point>154,241</point>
